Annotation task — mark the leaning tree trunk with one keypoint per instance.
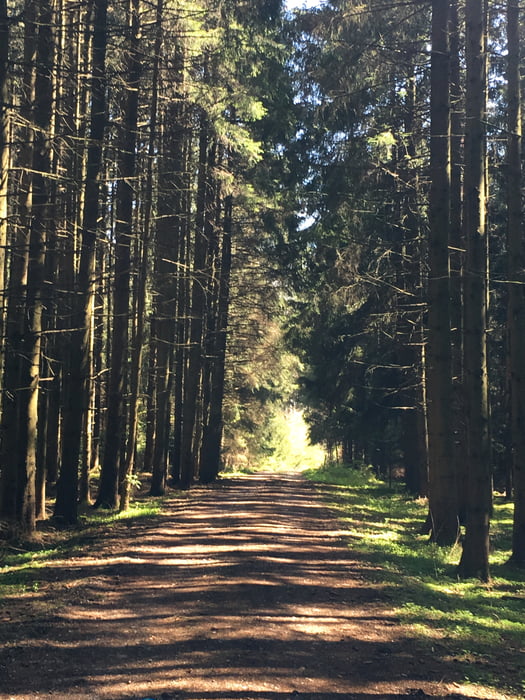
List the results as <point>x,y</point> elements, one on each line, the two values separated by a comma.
<point>475,555</point>
<point>516,287</point>
<point>77,392</point>
<point>442,484</point>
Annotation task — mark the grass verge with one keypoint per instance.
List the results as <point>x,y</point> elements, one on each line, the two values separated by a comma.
<point>21,561</point>
<point>480,628</point>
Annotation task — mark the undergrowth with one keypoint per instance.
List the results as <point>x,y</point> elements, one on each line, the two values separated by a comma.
<point>480,628</point>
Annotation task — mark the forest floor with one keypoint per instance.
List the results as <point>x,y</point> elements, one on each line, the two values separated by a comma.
<point>245,590</point>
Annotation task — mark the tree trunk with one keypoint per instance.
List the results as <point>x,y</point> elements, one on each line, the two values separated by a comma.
<point>516,287</point>
<point>115,425</point>
<point>4,162</point>
<point>138,339</point>
<point>475,555</point>
<point>183,320</point>
<point>457,246</point>
<point>166,251</point>
<point>16,291</point>
<point>442,484</point>
<point>197,311</point>
<point>212,436</point>
<point>77,396</point>
<point>413,429</point>
<point>32,329</point>
<point>151,401</point>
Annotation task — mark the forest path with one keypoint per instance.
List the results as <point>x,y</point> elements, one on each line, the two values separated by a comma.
<point>245,590</point>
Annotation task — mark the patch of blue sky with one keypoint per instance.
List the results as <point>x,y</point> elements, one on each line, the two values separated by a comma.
<point>291,5</point>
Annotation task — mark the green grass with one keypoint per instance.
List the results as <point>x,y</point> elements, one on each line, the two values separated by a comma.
<point>20,562</point>
<point>138,509</point>
<point>479,627</point>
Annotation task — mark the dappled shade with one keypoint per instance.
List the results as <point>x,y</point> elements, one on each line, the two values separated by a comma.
<point>246,591</point>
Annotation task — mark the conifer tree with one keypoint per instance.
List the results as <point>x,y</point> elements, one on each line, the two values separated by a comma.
<point>122,308</point>
<point>444,522</point>
<point>516,290</point>
<point>77,392</point>
<point>475,553</point>
<point>4,156</point>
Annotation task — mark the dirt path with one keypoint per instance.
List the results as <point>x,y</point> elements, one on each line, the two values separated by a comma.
<point>242,591</point>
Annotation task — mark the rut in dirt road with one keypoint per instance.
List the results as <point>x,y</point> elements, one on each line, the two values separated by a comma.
<point>245,590</point>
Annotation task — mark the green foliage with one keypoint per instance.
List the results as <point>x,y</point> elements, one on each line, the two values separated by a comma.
<point>285,444</point>
<point>354,269</point>
<point>478,627</point>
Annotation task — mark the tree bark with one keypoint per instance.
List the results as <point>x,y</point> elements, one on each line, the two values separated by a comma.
<point>516,287</point>
<point>4,161</point>
<point>115,424</point>
<point>475,555</point>
<point>139,332</point>
<point>193,379</point>
<point>442,484</point>
<point>183,315</point>
<point>77,396</point>
<point>10,486</point>
<point>457,246</point>
<point>166,263</point>
<point>212,435</point>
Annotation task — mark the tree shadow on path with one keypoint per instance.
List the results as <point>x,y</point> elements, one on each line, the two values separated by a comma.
<point>243,590</point>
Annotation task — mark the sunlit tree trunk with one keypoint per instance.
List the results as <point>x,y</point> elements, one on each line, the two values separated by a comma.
<point>25,453</point>
<point>32,341</point>
<point>474,559</point>
<point>151,402</point>
<point>94,418</point>
<point>4,160</point>
<point>457,255</point>
<point>183,296</point>
<point>10,486</point>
